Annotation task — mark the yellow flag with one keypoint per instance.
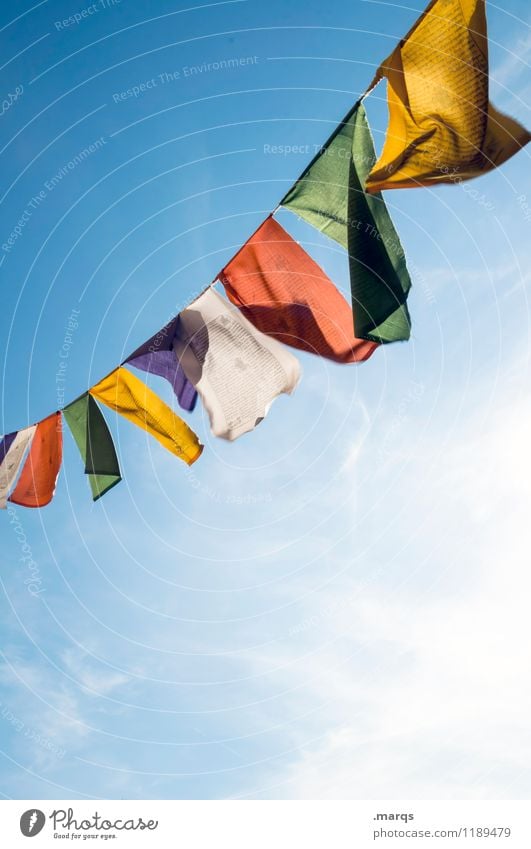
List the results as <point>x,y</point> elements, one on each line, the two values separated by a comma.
<point>442,128</point>
<point>129,396</point>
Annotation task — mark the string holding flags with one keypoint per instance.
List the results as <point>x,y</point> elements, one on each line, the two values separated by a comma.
<point>284,293</point>
<point>330,195</point>
<point>233,352</point>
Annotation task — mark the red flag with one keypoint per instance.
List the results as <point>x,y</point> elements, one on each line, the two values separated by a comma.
<point>36,484</point>
<point>284,293</point>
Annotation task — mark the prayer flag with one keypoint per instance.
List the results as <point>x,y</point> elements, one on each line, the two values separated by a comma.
<point>285,294</point>
<point>12,449</point>
<point>124,392</point>
<point>237,371</point>
<point>36,484</point>
<point>156,357</point>
<point>330,195</point>
<point>95,444</point>
<point>442,128</point>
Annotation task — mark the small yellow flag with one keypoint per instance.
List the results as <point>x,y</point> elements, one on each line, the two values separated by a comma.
<point>442,128</point>
<point>129,396</point>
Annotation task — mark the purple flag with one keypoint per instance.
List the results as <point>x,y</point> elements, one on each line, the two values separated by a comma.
<point>165,364</point>
<point>5,445</point>
<point>156,356</point>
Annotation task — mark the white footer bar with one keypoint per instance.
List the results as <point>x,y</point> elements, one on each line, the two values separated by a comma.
<point>267,824</point>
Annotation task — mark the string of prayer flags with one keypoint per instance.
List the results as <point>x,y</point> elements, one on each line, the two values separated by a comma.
<point>237,370</point>
<point>12,449</point>
<point>36,484</point>
<point>123,392</point>
<point>283,292</point>
<point>232,353</point>
<point>442,127</point>
<point>94,440</point>
<point>330,196</point>
<point>156,357</point>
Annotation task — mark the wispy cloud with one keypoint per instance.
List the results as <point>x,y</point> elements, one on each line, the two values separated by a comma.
<point>421,691</point>
<point>516,63</point>
<point>90,675</point>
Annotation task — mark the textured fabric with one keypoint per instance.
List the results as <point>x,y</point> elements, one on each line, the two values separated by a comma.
<point>165,364</point>
<point>36,484</point>
<point>94,440</point>
<point>320,195</point>
<point>129,396</point>
<point>160,341</point>
<point>442,128</point>
<point>285,294</point>
<point>156,357</point>
<point>331,197</point>
<point>237,371</point>
<point>379,278</point>
<point>12,450</point>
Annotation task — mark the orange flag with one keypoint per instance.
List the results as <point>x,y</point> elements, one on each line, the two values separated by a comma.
<point>284,293</point>
<point>36,484</point>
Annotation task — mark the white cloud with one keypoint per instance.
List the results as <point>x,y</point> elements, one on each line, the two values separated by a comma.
<point>90,675</point>
<point>424,691</point>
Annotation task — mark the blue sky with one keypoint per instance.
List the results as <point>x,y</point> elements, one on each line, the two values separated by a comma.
<point>334,606</point>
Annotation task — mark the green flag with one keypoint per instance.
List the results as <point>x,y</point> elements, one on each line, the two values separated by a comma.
<point>330,195</point>
<point>95,444</point>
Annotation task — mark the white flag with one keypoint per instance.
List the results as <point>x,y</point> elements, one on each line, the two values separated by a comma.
<point>12,461</point>
<point>237,370</point>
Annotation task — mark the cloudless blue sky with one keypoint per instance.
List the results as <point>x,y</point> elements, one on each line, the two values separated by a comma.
<point>334,605</point>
